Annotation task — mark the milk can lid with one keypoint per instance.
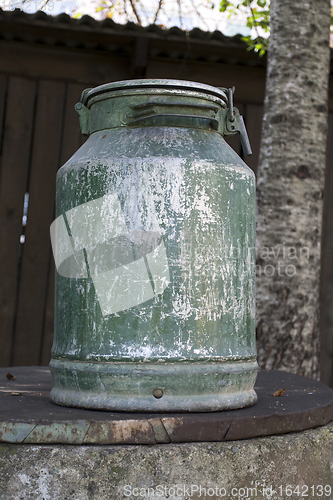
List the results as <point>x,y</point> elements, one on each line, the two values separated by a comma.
<point>160,84</point>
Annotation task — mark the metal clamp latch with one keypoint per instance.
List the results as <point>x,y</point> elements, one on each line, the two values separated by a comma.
<point>235,123</point>
<point>84,113</point>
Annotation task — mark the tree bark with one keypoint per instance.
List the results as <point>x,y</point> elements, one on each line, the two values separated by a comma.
<point>290,185</point>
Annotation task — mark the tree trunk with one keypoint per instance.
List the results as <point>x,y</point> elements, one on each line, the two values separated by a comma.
<point>290,186</point>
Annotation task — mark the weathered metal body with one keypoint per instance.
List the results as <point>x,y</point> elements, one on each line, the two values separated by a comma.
<point>154,248</point>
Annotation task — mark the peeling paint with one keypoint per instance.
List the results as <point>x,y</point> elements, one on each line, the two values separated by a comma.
<point>185,292</point>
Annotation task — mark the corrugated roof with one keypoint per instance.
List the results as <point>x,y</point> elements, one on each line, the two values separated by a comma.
<point>88,33</point>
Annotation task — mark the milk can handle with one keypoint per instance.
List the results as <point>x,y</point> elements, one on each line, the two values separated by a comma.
<point>235,123</point>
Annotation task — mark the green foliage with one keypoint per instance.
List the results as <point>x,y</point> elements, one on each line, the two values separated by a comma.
<point>256,45</point>
<point>257,19</point>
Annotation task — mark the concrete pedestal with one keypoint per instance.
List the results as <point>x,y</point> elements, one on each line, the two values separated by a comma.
<point>51,452</point>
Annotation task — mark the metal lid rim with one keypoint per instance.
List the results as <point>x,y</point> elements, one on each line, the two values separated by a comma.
<point>154,84</point>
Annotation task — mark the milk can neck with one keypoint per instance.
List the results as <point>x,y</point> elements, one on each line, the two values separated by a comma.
<point>160,103</point>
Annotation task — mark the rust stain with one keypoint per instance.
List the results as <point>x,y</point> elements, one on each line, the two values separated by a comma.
<point>120,432</point>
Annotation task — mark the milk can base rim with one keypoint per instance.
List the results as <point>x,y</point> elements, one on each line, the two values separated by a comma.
<point>135,387</point>
<point>207,403</point>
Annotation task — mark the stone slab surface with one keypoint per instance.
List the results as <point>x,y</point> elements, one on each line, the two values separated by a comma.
<point>28,416</point>
<point>290,466</point>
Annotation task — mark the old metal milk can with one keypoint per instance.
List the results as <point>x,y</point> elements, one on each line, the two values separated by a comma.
<point>154,248</point>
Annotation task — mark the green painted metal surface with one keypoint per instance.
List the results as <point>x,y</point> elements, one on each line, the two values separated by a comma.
<point>154,242</point>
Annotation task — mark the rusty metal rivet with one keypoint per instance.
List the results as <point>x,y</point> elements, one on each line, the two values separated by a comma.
<point>157,393</point>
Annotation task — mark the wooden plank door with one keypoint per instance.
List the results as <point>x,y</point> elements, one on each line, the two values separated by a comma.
<point>36,253</point>
<point>16,150</point>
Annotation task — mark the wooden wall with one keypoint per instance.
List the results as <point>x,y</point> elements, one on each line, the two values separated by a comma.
<point>39,131</point>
